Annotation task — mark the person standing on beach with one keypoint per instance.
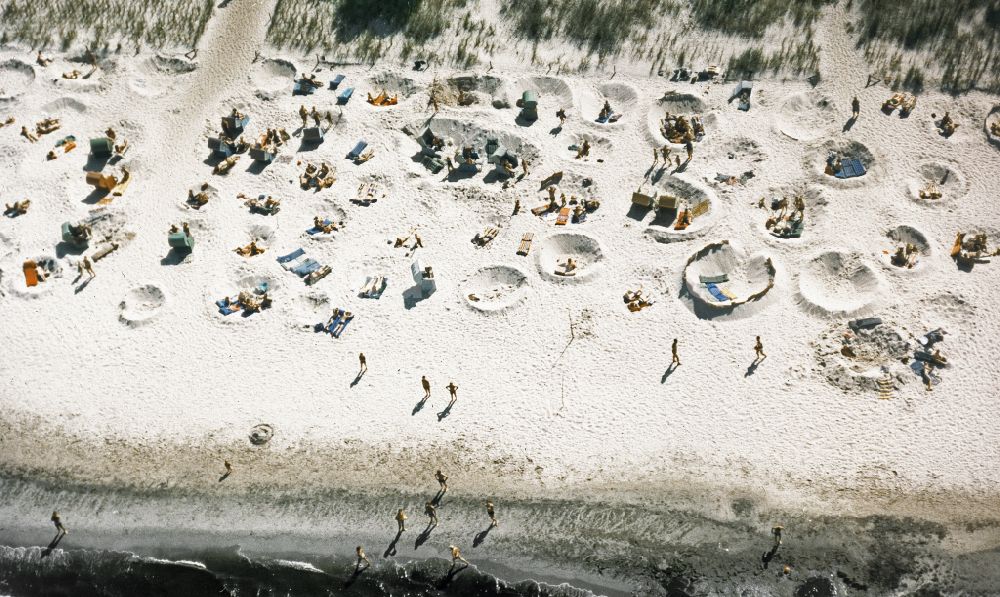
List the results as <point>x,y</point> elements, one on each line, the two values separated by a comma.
<point>60,529</point>
<point>776,531</point>
<point>401,520</point>
<point>456,556</point>
<point>689,146</point>
<point>88,266</point>
<point>656,156</point>
<point>855,108</point>
<point>427,386</point>
<point>453,390</point>
<point>492,514</point>
<point>362,558</point>
<point>759,349</point>
<point>431,511</point>
<point>442,480</point>
<point>364,363</point>
<point>304,115</point>
<point>673,349</point>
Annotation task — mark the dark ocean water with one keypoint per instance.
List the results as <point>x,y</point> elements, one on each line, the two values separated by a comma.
<point>30,572</point>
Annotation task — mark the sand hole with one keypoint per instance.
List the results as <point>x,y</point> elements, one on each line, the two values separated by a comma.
<point>622,98</point>
<point>495,288</point>
<point>702,204</point>
<point>273,75</point>
<point>141,305</point>
<point>683,104</point>
<point>309,309</point>
<point>838,284</point>
<point>469,89</point>
<point>816,160</point>
<point>553,251</point>
<point>15,78</point>
<point>460,133</point>
<point>261,433</point>
<point>937,177</point>
<point>783,229</point>
<point>393,84</point>
<point>806,116</point>
<point>64,105</point>
<point>46,263</point>
<point>903,235</point>
<point>721,277</point>
<point>553,93</point>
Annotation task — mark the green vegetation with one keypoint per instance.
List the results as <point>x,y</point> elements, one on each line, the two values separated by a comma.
<point>750,18</point>
<point>960,38</point>
<point>95,23</point>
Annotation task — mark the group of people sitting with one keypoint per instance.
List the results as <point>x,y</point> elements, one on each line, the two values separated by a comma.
<point>19,208</point>
<point>904,101</point>
<point>383,99</point>
<point>782,223</point>
<point>970,249</point>
<point>905,256</point>
<point>678,129</point>
<point>320,177</point>
<point>946,125</point>
<point>247,301</point>
<point>634,301</point>
<point>267,207</point>
<point>250,250</point>
<point>930,191</point>
<point>325,226</point>
<point>199,199</point>
<point>995,128</point>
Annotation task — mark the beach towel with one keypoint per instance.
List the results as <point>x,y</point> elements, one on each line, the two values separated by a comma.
<point>337,316</point>
<point>315,230</point>
<point>303,87</point>
<point>716,279</point>
<point>867,322</point>
<point>374,287</point>
<point>345,95</point>
<point>227,309</point>
<point>358,149</point>
<point>850,167</point>
<point>306,267</point>
<point>292,256</point>
<point>716,293</point>
<point>343,325</point>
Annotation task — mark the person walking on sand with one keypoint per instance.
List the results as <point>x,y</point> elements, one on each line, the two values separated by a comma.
<point>855,108</point>
<point>442,480</point>
<point>427,386</point>
<point>776,531</point>
<point>401,520</point>
<point>456,556</point>
<point>656,156</point>
<point>453,390</point>
<point>88,266</point>
<point>360,551</point>
<point>759,349</point>
<point>673,350</point>
<point>363,362</point>
<point>304,115</point>
<point>228,466</point>
<point>431,511</point>
<point>666,155</point>
<point>56,520</point>
<point>492,514</point>
<point>524,166</point>
<point>689,146</point>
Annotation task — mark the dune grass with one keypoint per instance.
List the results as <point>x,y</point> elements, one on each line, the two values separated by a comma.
<point>751,18</point>
<point>64,24</point>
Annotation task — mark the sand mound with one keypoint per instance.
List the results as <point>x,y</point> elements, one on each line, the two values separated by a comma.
<point>553,251</point>
<point>747,278</point>
<point>806,116</point>
<point>553,93</point>
<point>837,284</point>
<point>495,288</point>
<point>907,235</point>
<point>141,304</point>
<point>945,176</point>
<point>64,105</point>
<point>623,99</point>
<point>862,359</point>
<point>459,133</point>
<point>393,84</point>
<point>815,160</point>
<point>15,78</point>
<point>663,225</point>
<point>261,433</point>
<point>273,75</point>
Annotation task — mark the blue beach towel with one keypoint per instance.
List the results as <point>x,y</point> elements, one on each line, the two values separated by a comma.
<point>343,327</point>
<point>308,266</point>
<point>293,255</point>
<point>715,292</point>
<point>315,230</point>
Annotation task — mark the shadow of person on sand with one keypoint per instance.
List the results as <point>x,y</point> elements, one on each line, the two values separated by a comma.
<point>391,550</point>
<point>420,405</point>
<point>670,371</point>
<point>445,412</point>
<point>850,123</point>
<point>358,570</point>
<point>53,544</point>
<point>752,368</point>
<point>357,378</point>
<point>424,535</point>
<point>768,556</point>
<point>481,536</point>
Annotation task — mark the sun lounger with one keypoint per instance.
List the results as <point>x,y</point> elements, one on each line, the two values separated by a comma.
<point>866,322</point>
<point>355,153</point>
<point>374,287</point>
<point>336,81</point>
<point>305,268</point>
<point>663,202</point>
<point>292,256</point>
<point>525,245</point>
<point>541,209</point>
<point>716,279</point>
<point>179,240</point>
<point>30,274</point>
<point>345,95</point>
<point>313,135</point>
<point>850,168</point>
<point>337,331</point>
<point>488,234</point>
<point>318,275</point>
<point>315,230</point>
<point>642,200</point>
<point>717,293</point>
<point>563,217</point>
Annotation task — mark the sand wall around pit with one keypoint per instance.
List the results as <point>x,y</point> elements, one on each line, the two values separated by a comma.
<point>495,288</point>
<point>838,284</point>
<point>721,277</point>
<point>553,250</point>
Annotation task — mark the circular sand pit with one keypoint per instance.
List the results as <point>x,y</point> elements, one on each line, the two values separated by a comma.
<point>936,182</point>
<point>721,277</point>
<point>688,210</point>
<point>495,288</point>
<point>553,93</point>
<point>806,116</point>
<point>460,133</point>
<point>622,98</point>
<point>552,253</point>
<point>823,161</point>
<point>157,74</point>
<point>865,359</point>
<point>903,236</point>
<point>15,78</point>
<point>48,268</point>
<point>784,224</point>
<point>64,105</point>
<point>993,120</point>
<point>261,433</point>
<point>677,104</point>
<point>468,89</point>
<point>310,309</point>
<point>141,305</point>
<point>393,84</point>
<point>255,285</point>
<point>273,75</point>
<point>838,284</point>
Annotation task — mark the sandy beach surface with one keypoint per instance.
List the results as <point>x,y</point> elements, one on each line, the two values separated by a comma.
<point>122,395</point>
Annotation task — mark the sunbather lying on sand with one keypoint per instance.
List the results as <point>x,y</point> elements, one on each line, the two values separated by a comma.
<point>41,60</point>
<point>19,208</point>
<point>250,250</point>
<point>197,200</point>
<point>28,135</point>
<point>10,120</point>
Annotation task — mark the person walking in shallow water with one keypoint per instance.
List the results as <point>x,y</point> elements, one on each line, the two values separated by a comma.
<point>776,531</point>
<point>427,386</point>
<point>673,350</point>
<point>401,520</point>
<point>431,512</point>
<point>360,551</point>
<point>759,349</point>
